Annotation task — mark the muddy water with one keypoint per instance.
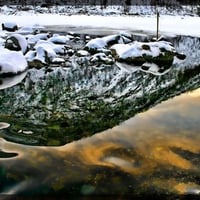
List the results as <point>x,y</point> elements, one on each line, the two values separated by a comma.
<point>156,152</point>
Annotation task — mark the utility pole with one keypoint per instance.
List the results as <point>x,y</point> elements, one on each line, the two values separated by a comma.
<point>157,27</point>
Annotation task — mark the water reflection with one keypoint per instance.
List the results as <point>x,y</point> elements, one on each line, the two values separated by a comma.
<point>6,82</point>
<point>156,152</point>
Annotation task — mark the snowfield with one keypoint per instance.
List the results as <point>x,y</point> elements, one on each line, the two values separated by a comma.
<point>180,25</point>
<point>43,47</point>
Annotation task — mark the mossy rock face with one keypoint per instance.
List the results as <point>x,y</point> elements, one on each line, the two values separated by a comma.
<point>138,61</point>
<point>146,47</point>
<point>164,59</point>
<point>36,64</point>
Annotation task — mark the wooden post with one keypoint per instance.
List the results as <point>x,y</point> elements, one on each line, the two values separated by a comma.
<point>157,29</point>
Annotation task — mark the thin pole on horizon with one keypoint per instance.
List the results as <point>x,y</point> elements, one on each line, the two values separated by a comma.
<point>157,26</point>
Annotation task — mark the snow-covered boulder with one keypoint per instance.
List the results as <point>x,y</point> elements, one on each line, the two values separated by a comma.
<point>137,53</point>
<point>45,52</point>
<point>95,45</point>
<point>59,39</point>
<point>50,47</point>
<point>101,58</point>
<point>35,29</point>
<point>100,44</point>
<point>16,42</point>
<point>9,26</point>
<point>82,53</point>
<point>39,58</point>
<point>33,39</point>
<point>12,62</point>
<point>58,60</point>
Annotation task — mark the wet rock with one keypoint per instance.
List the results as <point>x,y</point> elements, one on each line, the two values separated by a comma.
<point>9,26</point>
<point>16,42</point>
<point>180,56</point>
<point>137,53</point>
<point>95,45</point>
<point>100,44</point>
<point>33,39</point>
<point>38,58</point>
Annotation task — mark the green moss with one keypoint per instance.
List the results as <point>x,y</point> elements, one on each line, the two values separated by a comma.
<point>53,142</point>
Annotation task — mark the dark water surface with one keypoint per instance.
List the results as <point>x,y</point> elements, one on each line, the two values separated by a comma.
<point>155,152</point>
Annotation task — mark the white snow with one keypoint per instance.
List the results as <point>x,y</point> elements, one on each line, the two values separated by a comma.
<point>97,43</point>
<point>32,39</point>
<point>58,60</point>
<point>30,55</point>
<point>40,55</point>
<point>83,53</point>
<point>184,25</point>
<point>12,61</point>
<point>59,39</point>
<point>21,40</point>
<point>100,57</point>
<point>50,48</point>
<point>44,50</point>
<point>2,41</point>
<point>135,49</point>
<point>26,30</point>
<point>10,24</point>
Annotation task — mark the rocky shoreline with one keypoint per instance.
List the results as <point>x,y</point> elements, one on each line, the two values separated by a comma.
<point>60,103</point>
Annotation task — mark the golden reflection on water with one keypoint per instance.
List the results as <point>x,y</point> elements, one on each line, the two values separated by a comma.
<point>159,148</point>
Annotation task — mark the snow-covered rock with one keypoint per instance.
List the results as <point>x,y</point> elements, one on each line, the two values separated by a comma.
<point>99,44</point>
<point>9,26</point>
<point>59,39</point>
<point>36,58</point>
<point>26,30</point>
<point>34,29</point>
<point>50,47</point>
<point>45,52</point>
<point>81,53</point>
<point>16,42</point>
<point>12,62</point>
<point>58,60</point>
<point>137,53</point>
<point>95,45</point>
<point>102,58</point>
<point>33,39</point>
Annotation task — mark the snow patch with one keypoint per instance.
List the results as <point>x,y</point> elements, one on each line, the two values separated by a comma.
<point>12,62</point>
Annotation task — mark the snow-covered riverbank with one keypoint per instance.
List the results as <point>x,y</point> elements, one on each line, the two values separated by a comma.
<point>182,20</point>
<point>181,25</point>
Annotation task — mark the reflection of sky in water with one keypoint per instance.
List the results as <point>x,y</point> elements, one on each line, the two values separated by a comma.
<point>156,149</point>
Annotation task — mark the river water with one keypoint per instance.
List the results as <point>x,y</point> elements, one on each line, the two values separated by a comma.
<point>156,152</point>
